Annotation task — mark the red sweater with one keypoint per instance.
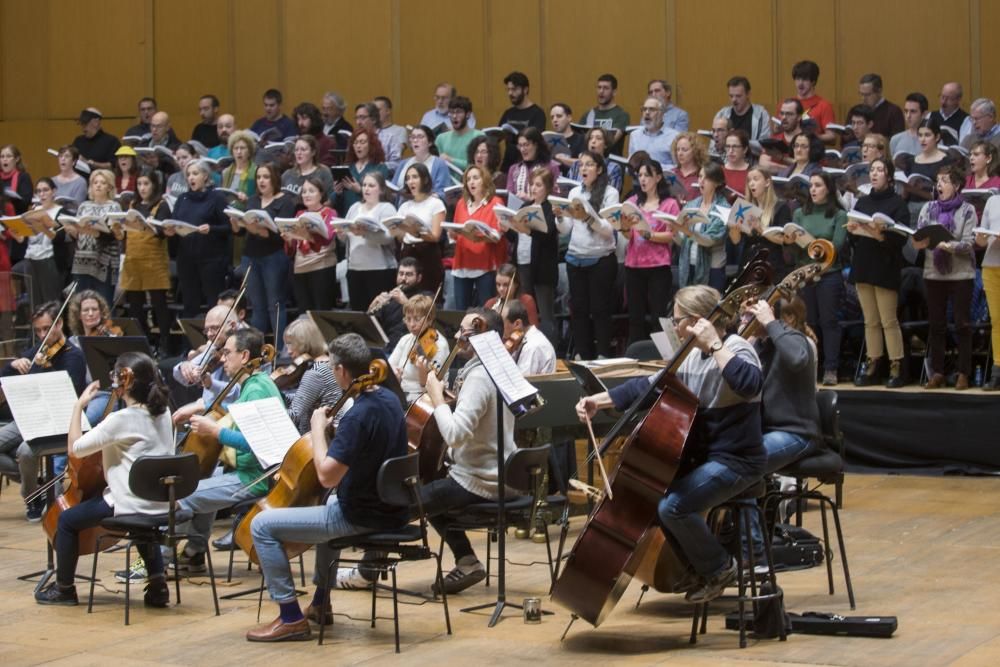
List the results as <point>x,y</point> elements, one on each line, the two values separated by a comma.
<point>478,255</point>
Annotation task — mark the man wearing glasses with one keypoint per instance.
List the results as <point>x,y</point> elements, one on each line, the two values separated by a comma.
<point>983,117</point>
<point>655,138</point>
<point>437,118</point>
<point>454,145</point>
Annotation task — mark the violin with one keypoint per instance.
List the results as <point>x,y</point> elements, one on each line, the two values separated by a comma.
<point>426,346</point>
<point>422,432</point>
<point>513,343</point>
<point>620,534</point>
<point>205,447</point>
<point>86,476</point>
<point>288,377</point>
<point>108,329</point>
<point>297,483</point>
<point>46,353</point>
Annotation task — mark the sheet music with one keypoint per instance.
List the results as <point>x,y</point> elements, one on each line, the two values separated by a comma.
<point>267,427</point>
<point>42,403</point>
<point>502,369</point>
<point>666,341</point>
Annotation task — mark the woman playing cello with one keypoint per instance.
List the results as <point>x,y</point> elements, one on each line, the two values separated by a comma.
<point>141,428</point>
<point>723,454</point>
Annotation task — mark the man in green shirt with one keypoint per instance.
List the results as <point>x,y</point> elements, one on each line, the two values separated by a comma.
<point>607,114</point>
<point>454,145</point>
<point>223,490</point>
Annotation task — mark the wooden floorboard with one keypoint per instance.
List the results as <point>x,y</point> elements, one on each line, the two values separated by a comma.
<point>924,549</point>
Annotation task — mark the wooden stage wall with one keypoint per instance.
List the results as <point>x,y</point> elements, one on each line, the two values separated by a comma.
<point>58,56</point>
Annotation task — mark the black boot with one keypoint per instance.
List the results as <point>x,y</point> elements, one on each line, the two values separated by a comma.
<point>869,372</point>
<point>895,374</point>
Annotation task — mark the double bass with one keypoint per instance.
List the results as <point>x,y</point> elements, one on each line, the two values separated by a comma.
<point>660,569</point>
<point>86,477</point>
<point>616,537</point>
<point>296,482</point>
<point>208,448</point>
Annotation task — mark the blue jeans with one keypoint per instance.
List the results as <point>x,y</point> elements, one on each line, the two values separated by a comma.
<point>214,493</point>
<point>85,282</point>
<point>309,525</point>
<point>680,511</point>
<point>783,448</point>
<point>822,304</point>
<point>75,520</point>
<point>470,292</point>
<point>266,289</point>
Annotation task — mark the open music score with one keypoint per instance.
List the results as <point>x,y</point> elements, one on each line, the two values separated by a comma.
<point>42,403</point>
<point>517,393</point>
<point>268,429</point>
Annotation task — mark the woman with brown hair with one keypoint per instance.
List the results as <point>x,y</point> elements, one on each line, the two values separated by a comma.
<point>476,261</point>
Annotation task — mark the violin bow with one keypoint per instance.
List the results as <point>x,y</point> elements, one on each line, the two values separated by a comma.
<point>600,461</point>
<point>236,302</point>
<point>423,325</point>
<point>62,309</point>
<point>506,297</point>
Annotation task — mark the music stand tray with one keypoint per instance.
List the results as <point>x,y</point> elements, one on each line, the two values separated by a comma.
<point>129,326</point>
<point>333,323</point>
<point>194,330</point>
<point>449,321</point>
<point>101,352</point>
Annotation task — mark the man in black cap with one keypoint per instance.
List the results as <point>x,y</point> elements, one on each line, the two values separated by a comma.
<point>97,147</point>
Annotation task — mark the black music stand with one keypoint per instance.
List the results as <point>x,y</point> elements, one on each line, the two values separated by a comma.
<point>129,326</point>
<point>101,352</point>
<point>449,321</point>
<point>517,407</point>
<point>194,330</point>
<point>333,323</point>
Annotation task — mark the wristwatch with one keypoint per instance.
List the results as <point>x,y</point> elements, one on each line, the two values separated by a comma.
<point>716,346</point>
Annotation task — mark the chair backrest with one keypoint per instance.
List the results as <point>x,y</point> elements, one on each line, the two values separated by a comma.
<point>146,478</point>
<point>829,419</point>
<point>643,350</point>
<point>398,480</point>
<point>525,467</point>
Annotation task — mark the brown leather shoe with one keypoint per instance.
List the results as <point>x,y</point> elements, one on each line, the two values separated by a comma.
<point>276,631</point>
<point>962,383</point>
<point>936,381</point>
<point>312,614</point>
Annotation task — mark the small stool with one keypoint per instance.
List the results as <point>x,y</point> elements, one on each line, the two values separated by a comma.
<point>742,507</point>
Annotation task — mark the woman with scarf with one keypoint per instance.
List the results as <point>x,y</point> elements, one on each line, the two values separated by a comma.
<point>949,272</point>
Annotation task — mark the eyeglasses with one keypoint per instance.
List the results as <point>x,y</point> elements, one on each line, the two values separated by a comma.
<point>650,109</point>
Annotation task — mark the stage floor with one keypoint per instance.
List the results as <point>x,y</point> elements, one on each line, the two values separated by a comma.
<point>921,548</point>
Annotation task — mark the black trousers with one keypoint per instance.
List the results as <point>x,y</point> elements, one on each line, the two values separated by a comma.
<point>648,293</point>
<point>591,292</point>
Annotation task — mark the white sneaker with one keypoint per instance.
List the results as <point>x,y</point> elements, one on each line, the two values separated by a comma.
<point>351,579</point>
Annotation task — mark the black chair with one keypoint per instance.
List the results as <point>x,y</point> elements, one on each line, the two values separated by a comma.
<point>740,509</point>
<point>643,350</point>
<point>238,511</point>
<point>398,484</point>
<point>524,471</point>
<point>826,466</point>
<point>159,479</point>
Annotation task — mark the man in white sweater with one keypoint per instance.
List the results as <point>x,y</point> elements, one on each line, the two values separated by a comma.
<point>470,432</point>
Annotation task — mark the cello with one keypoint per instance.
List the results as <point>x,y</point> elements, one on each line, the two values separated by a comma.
<point>296,483</point>
<point>422,432</point>
<point>659,569</point>
<point>208,448</point>
<point>86,477</point>
<point>614,541</point>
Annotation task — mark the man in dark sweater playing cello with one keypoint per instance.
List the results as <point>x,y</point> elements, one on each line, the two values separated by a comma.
<point>723,453</point>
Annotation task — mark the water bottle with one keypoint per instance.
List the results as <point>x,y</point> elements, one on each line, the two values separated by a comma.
<point>977,380</point>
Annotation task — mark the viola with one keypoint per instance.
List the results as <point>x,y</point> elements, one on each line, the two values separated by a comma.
<point>422,432</point>
<point>109,329</point>
<point>615,540</point>
<point>206,447</point>
<point>297,483</point>
<point>288,377</point>
<point>86,477</point>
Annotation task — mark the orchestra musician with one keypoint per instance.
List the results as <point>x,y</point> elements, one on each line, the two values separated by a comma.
<point>418,315</point>
<point>724,447</point>
<point>223,490</point>
<point>504,282</point>
<point>318,387</point>
<point>141,428</point>
<point>387,307</point>
<point>531,348</point>
<point>90,315</point>
<point>470,433</point>
<point>197,368</point>
<point>58,355</point>
<point>372,431</point>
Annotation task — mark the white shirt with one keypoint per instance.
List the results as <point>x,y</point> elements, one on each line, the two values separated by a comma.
<point>537,356</point>
<point>122,437</point>
<point>370,252</point>
<point>425,210</point>
<point>584,241</point>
